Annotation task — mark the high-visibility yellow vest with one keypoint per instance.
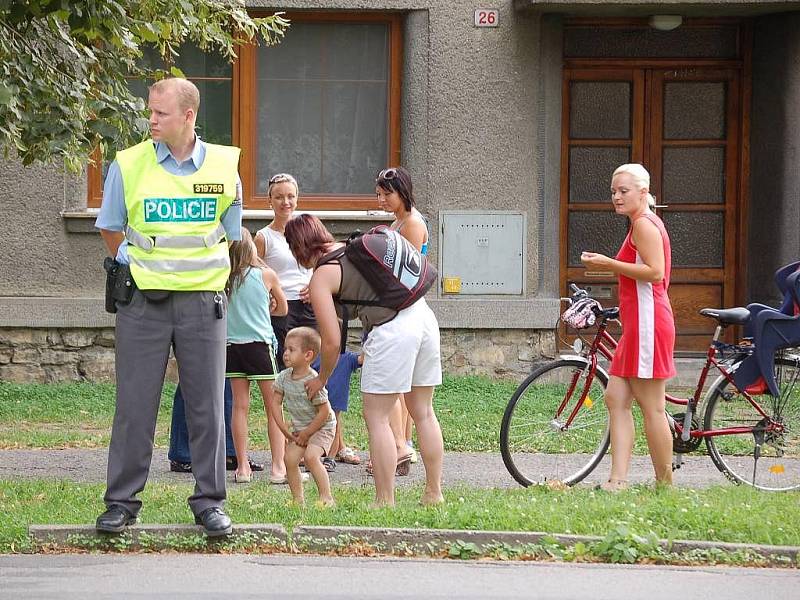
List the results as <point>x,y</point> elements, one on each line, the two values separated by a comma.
<point>175,237</point>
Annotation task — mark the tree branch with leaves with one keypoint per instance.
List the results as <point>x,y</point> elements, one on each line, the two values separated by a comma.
<point>65,65</point>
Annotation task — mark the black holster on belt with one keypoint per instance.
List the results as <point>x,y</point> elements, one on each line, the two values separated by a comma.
<point>119,284</point>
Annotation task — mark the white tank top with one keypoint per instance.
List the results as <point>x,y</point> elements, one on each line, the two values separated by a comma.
<point>280,259</point>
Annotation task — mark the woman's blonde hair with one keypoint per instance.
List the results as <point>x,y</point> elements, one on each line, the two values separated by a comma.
<point>640,177</point>
<point>282,178</point>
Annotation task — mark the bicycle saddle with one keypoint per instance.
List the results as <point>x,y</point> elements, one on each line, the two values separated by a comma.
<point>727,316</point>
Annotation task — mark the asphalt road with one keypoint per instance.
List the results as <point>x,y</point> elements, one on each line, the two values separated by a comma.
<point>176,576</point>
<point>479,469</point>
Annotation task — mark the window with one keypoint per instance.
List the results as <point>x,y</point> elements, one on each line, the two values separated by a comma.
<point>324,105</point>
<point>213,77</point>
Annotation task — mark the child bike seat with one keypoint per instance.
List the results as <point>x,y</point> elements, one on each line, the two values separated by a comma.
<point>772,330</point>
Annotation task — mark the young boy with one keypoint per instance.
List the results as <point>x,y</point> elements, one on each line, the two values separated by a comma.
<point>338,387</point>
<point>313,421</point>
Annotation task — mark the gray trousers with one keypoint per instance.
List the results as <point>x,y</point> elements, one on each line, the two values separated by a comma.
<point>145,332</point>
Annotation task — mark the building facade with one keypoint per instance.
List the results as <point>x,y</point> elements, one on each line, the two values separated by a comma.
<point>511,116</point>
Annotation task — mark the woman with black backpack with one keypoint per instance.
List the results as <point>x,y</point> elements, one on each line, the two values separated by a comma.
<point>401,348</point>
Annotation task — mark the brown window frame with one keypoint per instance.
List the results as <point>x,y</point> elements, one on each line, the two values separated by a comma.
<point>244,118</point>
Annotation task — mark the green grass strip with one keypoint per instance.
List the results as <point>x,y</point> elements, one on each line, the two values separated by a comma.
<point>725,513</point>
<point>79,415</point>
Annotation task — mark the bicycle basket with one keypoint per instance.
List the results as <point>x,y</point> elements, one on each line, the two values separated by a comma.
<point>581,314</point>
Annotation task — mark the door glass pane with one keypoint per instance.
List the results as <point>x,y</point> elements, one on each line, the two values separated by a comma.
<point>698,238</point>
<point>323,107</point>
<point>693,175</point>
<point>644,42</point>
<point>590,172</point>
<point>600,110</point>
<point>598,231</point>
<point>694,110</point>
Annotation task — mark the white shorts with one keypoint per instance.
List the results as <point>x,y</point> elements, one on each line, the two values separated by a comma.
<point>402,353</point>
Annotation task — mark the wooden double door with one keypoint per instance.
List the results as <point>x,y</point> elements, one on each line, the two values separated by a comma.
<point>684,124</point>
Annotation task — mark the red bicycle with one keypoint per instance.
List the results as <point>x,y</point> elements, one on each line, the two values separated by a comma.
<point>556,428</point>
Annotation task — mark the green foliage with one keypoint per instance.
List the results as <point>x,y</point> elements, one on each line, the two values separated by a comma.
<point>623,545</point>
<point>63,66</point>
<point>463,550</point>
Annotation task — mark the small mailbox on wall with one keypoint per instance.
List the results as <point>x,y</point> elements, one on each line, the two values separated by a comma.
<point>482,253</point>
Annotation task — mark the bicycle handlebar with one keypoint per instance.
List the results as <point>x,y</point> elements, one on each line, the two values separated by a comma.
<point>596,307</point>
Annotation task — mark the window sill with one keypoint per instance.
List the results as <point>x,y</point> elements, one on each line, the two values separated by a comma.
<point>82,221</point>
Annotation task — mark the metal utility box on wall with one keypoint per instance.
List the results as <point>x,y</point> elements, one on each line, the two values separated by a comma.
<point>482,253</point>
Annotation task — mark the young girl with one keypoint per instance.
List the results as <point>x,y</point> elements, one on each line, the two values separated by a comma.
<point>313,421</point>
<point>250,355</point>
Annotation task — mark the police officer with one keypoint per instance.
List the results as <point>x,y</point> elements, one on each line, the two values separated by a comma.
<point>168,206</point>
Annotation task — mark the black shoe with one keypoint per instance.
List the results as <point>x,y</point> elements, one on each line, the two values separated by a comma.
<point>329,464</point>
<point>180,467</point>
<point>115,519</point>
<point>231,464</point>
<point>214,521</point>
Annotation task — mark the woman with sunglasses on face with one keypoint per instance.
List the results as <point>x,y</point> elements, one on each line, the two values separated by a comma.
<point>272,248</point>
<point>395,193</point>
<point>401,355</point>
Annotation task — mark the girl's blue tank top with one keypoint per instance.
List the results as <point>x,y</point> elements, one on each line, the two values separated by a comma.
<point>248,311</point>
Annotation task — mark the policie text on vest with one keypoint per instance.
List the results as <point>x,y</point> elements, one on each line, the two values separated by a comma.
<point>179,210</point>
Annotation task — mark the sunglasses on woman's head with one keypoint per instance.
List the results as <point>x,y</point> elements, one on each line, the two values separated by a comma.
<point>281,178</point>
<point>387,174</point>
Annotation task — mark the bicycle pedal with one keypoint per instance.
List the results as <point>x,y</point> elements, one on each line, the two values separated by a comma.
<point>677,462</point>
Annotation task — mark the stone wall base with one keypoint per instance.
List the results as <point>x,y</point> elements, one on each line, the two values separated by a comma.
<point>50,355</point>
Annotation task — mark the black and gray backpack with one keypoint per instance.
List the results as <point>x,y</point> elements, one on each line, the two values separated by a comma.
<point>398,273</point>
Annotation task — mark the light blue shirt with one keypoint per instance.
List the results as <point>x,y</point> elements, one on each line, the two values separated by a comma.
<point>114,215</point>
<point>248,310</point>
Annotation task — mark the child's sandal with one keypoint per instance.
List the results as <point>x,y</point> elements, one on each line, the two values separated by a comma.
<point>348,456</point>
<point>403,467</point>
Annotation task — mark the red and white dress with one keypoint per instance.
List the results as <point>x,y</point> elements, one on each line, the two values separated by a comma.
<point>648,327</point>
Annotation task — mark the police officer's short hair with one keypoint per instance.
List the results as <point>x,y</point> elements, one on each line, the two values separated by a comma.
<point>186,91</point>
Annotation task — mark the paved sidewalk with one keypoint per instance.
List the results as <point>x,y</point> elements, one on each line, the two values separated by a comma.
<point>460,468</point>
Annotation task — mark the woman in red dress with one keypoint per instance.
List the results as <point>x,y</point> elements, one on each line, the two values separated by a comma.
<point>643,360</point>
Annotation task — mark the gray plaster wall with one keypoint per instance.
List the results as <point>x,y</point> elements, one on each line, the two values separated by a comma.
<point>480,131</point>
<point>774,235</point>
<point>38,256</point>
<point>474,131</point>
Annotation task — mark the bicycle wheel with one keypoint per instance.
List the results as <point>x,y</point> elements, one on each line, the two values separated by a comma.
<point>778,466</point>
<point>535,445</point>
